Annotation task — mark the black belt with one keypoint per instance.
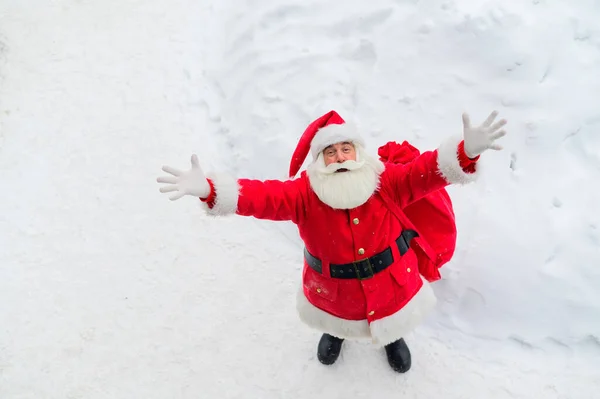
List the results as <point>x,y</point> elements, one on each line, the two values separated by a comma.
<point>365,268</point>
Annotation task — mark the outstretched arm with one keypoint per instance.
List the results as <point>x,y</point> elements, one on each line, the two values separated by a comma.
<point>454,162</point>
<point>223,194</point>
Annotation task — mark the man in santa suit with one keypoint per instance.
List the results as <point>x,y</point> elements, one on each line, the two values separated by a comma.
<point>361,276</point>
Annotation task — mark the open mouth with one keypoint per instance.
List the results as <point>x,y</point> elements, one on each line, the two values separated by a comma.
<point>341,170</point>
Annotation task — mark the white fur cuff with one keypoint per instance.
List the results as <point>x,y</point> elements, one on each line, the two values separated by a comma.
<point>227,191</point>
<point>449,165</point>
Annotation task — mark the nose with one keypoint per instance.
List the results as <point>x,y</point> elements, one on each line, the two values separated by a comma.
<point>341,157</point>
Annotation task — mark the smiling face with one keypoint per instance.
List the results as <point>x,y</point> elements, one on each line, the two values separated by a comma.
<point>353,187</point>
<point>339,153</point>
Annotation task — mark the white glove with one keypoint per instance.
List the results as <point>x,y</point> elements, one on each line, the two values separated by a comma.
<point>478,139</point>
<point>193,182</point>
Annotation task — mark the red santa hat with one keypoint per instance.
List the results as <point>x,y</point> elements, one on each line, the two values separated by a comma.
<point>320,134</point>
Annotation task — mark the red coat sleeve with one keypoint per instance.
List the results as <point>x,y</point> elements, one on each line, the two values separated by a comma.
<point>269,199</point>
<point>431,171</point>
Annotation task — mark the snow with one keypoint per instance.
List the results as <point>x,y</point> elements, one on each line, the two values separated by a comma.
<point>110,290</point>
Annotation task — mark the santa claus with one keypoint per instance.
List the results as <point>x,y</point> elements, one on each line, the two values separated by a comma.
<point>361,275</point>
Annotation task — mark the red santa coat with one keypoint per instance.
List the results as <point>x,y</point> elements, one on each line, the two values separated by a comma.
<point>384,307</point>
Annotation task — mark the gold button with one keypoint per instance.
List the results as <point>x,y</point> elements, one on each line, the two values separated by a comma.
<point>371,313</point>
<point>361,251</point>
<point>319,290</point>
<point>355,221</point>
<point>408,270</point>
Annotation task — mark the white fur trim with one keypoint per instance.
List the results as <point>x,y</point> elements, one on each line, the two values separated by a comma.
<point>332,134</point>
<point>227,191</point>
<point>397,325</point>
<point>382,331</point>
<point>327,323</point>
<point>449,165</point>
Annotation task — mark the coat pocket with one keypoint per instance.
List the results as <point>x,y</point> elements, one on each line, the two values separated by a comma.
<point>319,286</point>
<point>406,270</point>
<point>406,275</point>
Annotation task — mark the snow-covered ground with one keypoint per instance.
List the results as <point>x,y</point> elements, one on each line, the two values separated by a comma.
<point>109,290</point>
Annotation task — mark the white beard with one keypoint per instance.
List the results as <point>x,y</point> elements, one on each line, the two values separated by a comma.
<point>345,190</point>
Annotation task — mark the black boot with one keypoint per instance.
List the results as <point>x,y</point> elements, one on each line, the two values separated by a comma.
<point>329,349</point>
<point>398,356</point>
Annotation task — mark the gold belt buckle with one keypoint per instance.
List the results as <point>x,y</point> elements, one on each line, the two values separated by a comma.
<point>371,270</point>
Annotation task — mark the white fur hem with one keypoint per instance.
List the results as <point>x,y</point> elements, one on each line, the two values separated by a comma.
<point>399,324</point>
<point>382,331</point>
<point>332,134</point>
<point>327,323</point>
<point>227,192</point>
<point>449,165</point>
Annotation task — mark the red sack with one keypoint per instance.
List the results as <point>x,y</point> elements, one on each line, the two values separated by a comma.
<point>432,216</point>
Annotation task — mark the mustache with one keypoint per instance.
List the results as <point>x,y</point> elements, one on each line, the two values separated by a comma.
<point>347,165</point>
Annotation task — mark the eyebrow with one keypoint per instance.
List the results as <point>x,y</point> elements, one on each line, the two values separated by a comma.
<point>331,145</point>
